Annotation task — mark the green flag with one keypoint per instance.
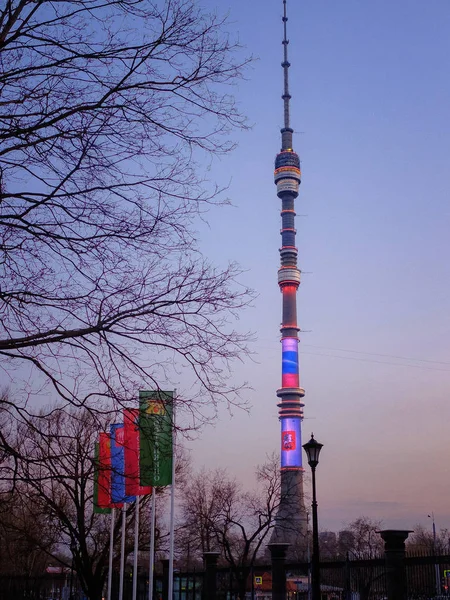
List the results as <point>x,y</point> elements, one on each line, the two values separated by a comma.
<point>155,429</point>
<point>97,508</point>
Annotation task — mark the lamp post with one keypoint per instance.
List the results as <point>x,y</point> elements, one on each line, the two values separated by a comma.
<point>312,449</point>
<point>308,556</point>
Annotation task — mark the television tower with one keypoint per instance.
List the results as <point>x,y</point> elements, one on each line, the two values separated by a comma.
<point>291,520</point>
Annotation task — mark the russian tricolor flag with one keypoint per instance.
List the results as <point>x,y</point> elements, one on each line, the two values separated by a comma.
<point>118,491</point>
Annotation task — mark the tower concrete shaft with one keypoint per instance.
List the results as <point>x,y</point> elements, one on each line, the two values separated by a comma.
<point>291,520</point>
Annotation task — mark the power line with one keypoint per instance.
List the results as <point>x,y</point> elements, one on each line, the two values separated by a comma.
<point>437,362</point>
<point>379,362</point>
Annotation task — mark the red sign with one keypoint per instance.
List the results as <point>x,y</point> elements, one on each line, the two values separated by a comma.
<point>288,440</point>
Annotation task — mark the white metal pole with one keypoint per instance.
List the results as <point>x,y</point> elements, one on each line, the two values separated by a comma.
<point>152,546</point>
<point>136,547</point>
<point>436,565</point>
<point>437,574</point>
<point>111,552</point>
<point>172,502</point>
<point>122,550</point>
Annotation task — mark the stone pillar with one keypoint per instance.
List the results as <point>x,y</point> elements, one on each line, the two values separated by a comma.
<point>394,554</point>
<point>165,581</point>
<point>278,556</point>
<point>209,591</point>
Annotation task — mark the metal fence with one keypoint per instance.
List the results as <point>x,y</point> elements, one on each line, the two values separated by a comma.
<point>341,579</point>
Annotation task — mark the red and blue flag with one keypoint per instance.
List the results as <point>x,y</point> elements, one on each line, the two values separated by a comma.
<point>118,491</point>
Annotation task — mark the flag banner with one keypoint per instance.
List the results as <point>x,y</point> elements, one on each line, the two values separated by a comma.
<point>131,448</point>
<point>118,493</point>
<point>155,428</point>
<point>104,473</point>
<point>99,503</point>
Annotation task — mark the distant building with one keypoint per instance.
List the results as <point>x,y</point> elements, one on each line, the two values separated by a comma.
<point>328,544</point>
<point>328,537</point>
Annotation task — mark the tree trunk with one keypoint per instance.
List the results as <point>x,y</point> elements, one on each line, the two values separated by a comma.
<point>242,576</point>
<point>365,591</point>
<point>93,586</point>
<point>94,592</point>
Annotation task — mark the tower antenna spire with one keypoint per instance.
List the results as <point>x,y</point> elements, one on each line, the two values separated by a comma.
<point>287,131</point>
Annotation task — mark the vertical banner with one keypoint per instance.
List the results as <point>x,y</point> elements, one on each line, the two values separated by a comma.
<point>118,493</point>
<point>102,501</point>
<point>155,427</point>
<point>131,449</point>
<point>104,473</point>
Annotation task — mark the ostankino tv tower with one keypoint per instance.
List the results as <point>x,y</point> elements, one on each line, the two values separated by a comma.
<point>291,520</point>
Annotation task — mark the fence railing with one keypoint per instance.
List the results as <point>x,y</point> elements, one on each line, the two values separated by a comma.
<point>348,578</point>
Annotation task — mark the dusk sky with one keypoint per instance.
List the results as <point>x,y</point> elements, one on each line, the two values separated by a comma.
<point>370,85</point>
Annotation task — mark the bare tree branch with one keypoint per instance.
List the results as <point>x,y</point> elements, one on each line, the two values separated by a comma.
<point>107,111</point>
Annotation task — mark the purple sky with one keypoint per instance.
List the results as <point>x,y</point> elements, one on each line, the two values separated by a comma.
<point>371,97</point>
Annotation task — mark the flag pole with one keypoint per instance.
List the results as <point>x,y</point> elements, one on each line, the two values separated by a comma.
<point>152,546</point>
<point>111,552</point>
<point>136,547</point>
<point>122,551</point>
<point>172,501</point>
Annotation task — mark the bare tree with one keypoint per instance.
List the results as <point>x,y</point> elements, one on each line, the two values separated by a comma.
<point>107,111</point>
<point>365,540</point>
<point>202,507</point>
<point>219,515</point>
<point>20,526</point>
<point>361,541</point>
<point>422,541</point>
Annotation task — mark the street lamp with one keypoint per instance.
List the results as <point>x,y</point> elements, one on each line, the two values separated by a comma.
<point>312,449</point>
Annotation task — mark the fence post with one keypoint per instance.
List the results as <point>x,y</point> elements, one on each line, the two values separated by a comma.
<point>348,583</point>
<point>210,582</point>
<point>394,554</point>
<point>278,556</point>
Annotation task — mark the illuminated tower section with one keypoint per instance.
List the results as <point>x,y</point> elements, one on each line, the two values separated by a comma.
<point>290,523</point>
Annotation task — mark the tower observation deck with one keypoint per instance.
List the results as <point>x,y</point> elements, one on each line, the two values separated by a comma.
<point>291,520</point>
